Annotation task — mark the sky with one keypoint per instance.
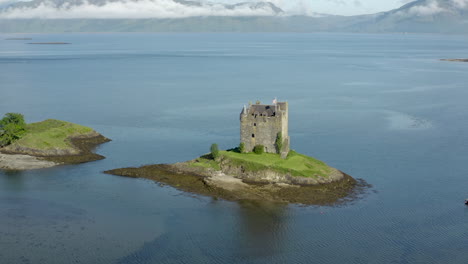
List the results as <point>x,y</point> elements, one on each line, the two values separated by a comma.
<point>173,9</point>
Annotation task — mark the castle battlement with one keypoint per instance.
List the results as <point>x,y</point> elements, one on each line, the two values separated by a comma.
<point>260,125</point>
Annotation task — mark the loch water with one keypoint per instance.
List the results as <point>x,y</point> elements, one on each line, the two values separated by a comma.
<point>380,107</point>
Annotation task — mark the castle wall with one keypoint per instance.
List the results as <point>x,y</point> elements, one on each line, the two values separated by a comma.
<point>260,131</point>
<point>285,128</point>
<point>256,129</point>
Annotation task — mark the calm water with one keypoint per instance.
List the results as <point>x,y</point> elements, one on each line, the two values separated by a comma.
<point>379,107</point>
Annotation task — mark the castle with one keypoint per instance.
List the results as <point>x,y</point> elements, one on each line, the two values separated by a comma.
<point>260,125</point>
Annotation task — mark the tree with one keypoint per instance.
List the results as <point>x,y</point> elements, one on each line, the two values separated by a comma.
<point>242,147</point>
<point>259,149</point>
<point>279,142</point>
<point>12,128</point>
<point>214,151</point>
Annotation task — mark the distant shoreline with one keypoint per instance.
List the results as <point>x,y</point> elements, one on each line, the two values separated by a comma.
<point>18,39</point>
<point>456,60</point>
<point>49,43</point>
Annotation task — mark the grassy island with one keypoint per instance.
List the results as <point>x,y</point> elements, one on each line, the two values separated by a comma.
<point>51,135</point>
<point>249,176</point>
<point>55,141</point>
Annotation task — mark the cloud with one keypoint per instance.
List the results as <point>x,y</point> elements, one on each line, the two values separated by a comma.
<point>460,3</point>
<point>7,2</point>
<point>134,9</point>
<point>338,2</point>
<point>432,7</point>
<point>346,2</point>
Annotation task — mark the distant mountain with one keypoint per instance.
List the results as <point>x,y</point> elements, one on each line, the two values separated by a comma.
<point>421,16</point>
<point>69,4</point>
<point>425,16</point>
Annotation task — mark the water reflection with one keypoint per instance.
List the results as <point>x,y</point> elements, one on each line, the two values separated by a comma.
<point>263,228</point>
<point>14,179</point>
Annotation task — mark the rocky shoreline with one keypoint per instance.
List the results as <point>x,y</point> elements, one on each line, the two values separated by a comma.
<point>23,162</point>
<point>25,159</point>
<point>218,184</point>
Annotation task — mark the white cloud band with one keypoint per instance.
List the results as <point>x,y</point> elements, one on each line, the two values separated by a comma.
<point>134,9</point>
<point>433,7</point>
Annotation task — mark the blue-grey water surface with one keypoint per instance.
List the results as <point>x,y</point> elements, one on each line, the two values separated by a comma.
<point>379,107</point>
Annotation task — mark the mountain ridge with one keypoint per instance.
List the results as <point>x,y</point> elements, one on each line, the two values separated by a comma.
<point>421,16</point>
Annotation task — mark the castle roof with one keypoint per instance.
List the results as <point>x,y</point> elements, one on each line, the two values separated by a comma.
<point>263,110</point>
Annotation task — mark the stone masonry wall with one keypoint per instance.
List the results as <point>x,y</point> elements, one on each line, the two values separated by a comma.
<point>263,130</point>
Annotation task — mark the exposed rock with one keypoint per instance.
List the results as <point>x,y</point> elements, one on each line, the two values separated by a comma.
<point>23,162</point>
<point>17,158</point>
<point>271,176</point>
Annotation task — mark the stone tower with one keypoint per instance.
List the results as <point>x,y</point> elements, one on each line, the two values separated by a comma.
<point>260,125</point>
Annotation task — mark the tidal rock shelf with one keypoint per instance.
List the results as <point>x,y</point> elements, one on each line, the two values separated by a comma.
<point>215,182</point>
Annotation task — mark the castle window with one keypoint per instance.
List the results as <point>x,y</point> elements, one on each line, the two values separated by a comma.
<point>253,135</point>
<point>255,124</point>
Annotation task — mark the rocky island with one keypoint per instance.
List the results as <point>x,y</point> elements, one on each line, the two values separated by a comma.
<point>45,144</point>
<point>249,176</point>
<point>262,168</point>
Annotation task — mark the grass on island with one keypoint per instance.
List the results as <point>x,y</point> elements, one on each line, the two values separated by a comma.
<point>51,134</point>
<point>295,164</point>
<point>206,162</point>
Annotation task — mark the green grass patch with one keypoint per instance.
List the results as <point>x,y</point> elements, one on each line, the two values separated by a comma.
<point>296,164</point>
<point>205,163</point>
<point>51,134</point>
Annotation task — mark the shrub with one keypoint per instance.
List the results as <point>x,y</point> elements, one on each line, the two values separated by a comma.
<point>279,142</point>
<point>12,128</point>
<point>259,149</point>
<point>214,151</point>
<point>241,147</point>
